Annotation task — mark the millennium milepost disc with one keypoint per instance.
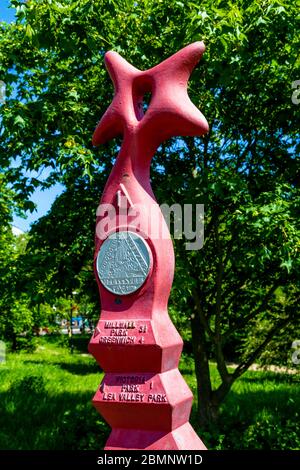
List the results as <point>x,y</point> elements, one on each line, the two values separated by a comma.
<point>123,262</point>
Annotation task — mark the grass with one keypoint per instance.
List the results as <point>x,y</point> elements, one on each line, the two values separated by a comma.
<point>45,400</point>
<point>45,403</point>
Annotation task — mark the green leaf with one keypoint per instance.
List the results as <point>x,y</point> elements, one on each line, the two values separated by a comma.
<point>287,264</point>
<point>29,31</point>
<point>19,121</point>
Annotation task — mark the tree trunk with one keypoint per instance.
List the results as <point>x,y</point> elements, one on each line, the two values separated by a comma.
<point>14,342</point>
<point>207,412</point>
<point>37,327</point>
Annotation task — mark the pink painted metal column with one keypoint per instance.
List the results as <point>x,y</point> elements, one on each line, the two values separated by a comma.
<point>143,396</point>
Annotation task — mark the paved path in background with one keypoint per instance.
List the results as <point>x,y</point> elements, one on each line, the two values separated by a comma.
<point>277,369</point>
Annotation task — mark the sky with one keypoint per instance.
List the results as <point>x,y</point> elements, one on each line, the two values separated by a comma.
<point>6,14</point>
<point>42,199</point>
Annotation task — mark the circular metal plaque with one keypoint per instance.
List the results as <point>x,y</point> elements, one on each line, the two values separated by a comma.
<point>123,262</point>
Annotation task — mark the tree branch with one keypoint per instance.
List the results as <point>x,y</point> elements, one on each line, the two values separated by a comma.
<point>241,156</point>
<point>220,271</point>
<point>243,322</point>
<point>202,316</point>
<point>249,361</point>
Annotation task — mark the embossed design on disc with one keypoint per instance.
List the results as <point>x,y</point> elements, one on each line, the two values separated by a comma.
<point>123,262</point>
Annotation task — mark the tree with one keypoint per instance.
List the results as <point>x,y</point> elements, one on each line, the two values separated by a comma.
<point>60,247</point>
<point>15,315</point>
<point>245,170</point>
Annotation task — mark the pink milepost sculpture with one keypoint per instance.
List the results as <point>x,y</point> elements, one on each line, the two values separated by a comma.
<point>142,396</point>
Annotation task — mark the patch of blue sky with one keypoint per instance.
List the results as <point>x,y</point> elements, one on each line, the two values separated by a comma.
<point>7,13</point>
<point>43,199</point>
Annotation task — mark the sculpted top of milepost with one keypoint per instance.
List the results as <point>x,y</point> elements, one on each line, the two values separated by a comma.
<point>123,262</point>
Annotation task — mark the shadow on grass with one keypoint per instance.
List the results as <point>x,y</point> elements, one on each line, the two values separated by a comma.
<point>31,419</point>
<point>80,342</point>
<point>184,370</point>
<point>72,368</point>
<point>276,377</point>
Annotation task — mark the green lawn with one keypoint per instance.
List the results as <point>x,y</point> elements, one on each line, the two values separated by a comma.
<point>45,403</point>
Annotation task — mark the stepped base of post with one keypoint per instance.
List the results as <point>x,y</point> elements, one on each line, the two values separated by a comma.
<point>181,438</point>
